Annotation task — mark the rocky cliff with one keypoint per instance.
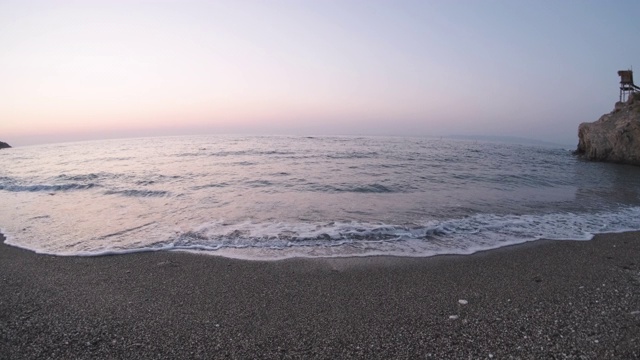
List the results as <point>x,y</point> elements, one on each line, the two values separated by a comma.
<point>615,137</point>
<point>4,145</point>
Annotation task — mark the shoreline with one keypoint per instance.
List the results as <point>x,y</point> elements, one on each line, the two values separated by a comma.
<point>227,255</point>
<point>537,299</point>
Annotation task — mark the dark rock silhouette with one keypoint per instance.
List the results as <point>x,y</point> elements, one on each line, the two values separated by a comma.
<point>615,137</point>
<point>4,145</point>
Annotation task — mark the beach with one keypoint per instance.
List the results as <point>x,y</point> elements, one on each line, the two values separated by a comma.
<point>545,299</point>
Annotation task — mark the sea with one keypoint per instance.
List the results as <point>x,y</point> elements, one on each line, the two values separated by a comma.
<point>278,197</point>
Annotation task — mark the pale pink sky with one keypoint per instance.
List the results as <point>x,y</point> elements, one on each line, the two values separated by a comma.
<point>72,70</point>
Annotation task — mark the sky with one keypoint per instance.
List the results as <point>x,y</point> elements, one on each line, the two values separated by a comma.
<point>81,70</point>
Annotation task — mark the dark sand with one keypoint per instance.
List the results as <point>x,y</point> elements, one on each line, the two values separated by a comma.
<point>539,300</point>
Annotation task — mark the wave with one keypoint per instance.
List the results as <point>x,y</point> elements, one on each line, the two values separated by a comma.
<point>190,154</point>
<point>314,187</point>
<point>84,177</point>
<point>47,188</point>
<point>138,193</point>
<point>278,240</point>
<point>233,153</point>
<point>354,155</point>
<point>207,186</point>
<point>239,153</point>
<point>352,188</point>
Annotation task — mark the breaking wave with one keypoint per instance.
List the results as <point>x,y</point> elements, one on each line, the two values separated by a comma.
<point>280,240</point>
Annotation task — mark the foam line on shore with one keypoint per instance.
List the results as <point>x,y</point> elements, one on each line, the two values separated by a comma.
<point>245,253</point>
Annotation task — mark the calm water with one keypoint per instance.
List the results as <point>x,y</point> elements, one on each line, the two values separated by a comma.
<point>279,197</point>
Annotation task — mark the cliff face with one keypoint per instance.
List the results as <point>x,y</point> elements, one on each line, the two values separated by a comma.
<point>615,137</point>
<point>4,145</point>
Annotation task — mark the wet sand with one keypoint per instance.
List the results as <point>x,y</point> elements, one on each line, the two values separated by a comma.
<point>563,299</point>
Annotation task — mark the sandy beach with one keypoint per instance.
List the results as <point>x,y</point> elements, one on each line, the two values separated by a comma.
<point>547,299</point>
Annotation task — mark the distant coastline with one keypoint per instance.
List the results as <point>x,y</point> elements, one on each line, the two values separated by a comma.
<point>4,145</point>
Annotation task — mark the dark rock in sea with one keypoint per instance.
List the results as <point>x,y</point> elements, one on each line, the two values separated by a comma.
<point>4,145</point>
<point>615,137</point>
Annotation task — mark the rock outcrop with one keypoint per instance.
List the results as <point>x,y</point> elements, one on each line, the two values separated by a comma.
<point>4,145</point>
<point>615,137</point>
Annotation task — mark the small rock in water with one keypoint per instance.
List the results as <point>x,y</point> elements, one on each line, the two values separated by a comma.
<point>463,302</point>
<point>453,317</point>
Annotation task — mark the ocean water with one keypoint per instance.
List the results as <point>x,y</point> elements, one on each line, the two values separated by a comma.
<point>279,197</point>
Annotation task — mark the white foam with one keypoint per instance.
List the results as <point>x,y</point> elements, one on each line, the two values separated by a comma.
<point>280,240</point>
<point>7,237</point>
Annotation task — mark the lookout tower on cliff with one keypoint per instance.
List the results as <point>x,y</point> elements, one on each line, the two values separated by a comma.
<point>626,84</point>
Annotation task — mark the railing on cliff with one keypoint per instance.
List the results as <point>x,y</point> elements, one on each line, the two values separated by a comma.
<point>626,84</point>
